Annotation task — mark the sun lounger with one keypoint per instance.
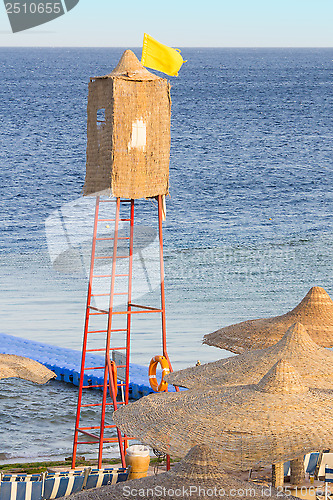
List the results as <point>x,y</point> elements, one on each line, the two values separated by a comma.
<point>310,464</point>
<point>102,477</point>
<point>53,485</point>
<point>21,486</point>
<point>62,484</point>
<point>326,461</point>
<point>328,479</point>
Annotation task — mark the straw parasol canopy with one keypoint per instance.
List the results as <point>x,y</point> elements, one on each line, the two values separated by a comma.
<point>270,422</point>
<point>315,312</point>
<point>25,368</point>
<point>198,475</point>
<point>313,363</point>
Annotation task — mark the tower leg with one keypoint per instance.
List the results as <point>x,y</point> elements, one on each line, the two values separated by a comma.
<point>85,335</point>
<point>107,373</point>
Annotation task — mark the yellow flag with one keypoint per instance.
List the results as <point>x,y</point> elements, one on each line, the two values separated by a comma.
<point>157,56</point>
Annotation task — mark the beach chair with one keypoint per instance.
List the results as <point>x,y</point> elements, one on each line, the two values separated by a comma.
<point>326,461</point>
<point>103,477</point>
<point>328,479</point>
<point>21,487</point>
<point>62,484</point>
<point>310,464</point>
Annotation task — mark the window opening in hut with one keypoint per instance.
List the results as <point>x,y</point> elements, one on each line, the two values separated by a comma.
<point>100,117</point>
<point>100,121</point>
<point>138,138</point>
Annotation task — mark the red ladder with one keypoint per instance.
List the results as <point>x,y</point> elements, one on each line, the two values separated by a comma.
<point>96,433</point>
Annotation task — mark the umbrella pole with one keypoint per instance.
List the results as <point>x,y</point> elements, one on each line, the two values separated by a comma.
<point>297,474</point>
<point>278,475</point>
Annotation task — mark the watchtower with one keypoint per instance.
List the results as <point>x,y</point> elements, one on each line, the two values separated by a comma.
<point>128,148</point>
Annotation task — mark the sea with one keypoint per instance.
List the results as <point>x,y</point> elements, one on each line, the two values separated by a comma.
<point>248,229</point>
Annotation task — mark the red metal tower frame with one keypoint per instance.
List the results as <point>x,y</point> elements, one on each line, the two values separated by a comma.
<point>96,433</point>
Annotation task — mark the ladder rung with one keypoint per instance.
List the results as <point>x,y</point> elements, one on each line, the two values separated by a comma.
<point>95,368</point>
<point>88,428</point>
<point>89,386</point>
<point>145,307</point>
<point>108,239</point>
<point>113,220</point>
<point>111,256</point>
<point>115,201</point>
<point>138,312</point>
<point>110,349</point>
<point>95,427</point>
<point>105,331</point>
<point>105,440</point>
<point>107,275</point>
<point>96,404</point>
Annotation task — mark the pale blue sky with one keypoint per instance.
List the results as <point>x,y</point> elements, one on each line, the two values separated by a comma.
<point>183,23</point>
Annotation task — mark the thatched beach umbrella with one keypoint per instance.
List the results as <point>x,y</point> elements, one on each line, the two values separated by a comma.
<point>25,368</point>
<point>315,312</point>
<point>198,475</point>
<point>313,363</point>
<point>273,421</point>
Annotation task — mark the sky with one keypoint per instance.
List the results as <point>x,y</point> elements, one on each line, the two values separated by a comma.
<point>181,23</point>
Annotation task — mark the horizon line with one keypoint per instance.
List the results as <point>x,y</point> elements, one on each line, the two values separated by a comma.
<point>140,47</point>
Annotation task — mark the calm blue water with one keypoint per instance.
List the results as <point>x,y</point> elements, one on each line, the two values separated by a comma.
<point>249,221</point>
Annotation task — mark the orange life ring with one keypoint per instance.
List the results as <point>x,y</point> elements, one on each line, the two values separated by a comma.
<point>113,367</point>
<point>162,386</point>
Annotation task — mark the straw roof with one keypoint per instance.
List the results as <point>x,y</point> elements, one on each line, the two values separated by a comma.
<point>273,421</point>
<point>314,364</point>
<point>25,368</point>
<point>129,67</point>
<point>315,312</point>
<point>200,468</point>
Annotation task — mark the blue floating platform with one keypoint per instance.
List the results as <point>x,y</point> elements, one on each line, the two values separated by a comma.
<point>66,364</point>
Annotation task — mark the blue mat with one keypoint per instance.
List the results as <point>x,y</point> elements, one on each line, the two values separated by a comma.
<point>66,363</point>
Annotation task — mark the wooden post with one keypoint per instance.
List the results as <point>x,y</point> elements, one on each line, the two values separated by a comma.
<point>278,475</point>
<point>297,474</point>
